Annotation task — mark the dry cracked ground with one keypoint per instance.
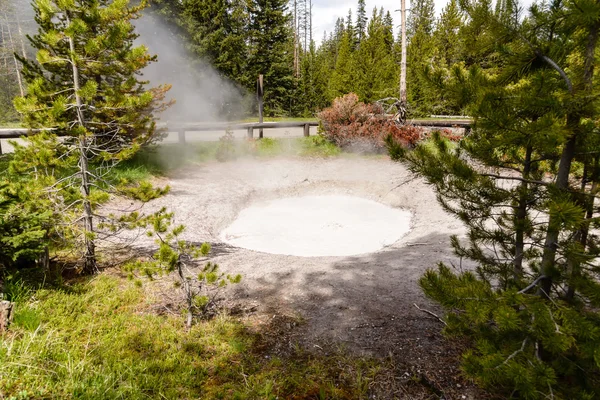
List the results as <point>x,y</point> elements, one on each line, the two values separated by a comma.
<point>364,304</point>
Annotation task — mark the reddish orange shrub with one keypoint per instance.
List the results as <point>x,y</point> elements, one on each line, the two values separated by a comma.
<point>349,122</point>
<point>448,134</point>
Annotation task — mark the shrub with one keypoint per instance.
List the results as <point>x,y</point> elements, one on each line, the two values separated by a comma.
<point>349,122</point>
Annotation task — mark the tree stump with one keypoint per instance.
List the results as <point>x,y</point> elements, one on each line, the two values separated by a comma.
<point>6,308</point>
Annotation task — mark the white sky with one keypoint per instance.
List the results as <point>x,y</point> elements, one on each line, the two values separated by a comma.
<point>326,12</point>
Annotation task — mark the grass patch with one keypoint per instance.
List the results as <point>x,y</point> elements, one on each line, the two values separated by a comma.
<point>160,160</point>
<point>282,119</point>
<point>95,340</point>
<point>8,125</point>
<point>318,146</point>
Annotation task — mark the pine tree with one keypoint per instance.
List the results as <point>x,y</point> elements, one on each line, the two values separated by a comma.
<point>448,40</point>
<point>350,27</point>
<point>376,72</point>
<point>270,40</point>
<point>84,85</point>
<point>361,21</point>
<point>419,55</point>
<point>530,306</point>
<point>215,31</point>
<point>388,23</point>
<point>343,78</point>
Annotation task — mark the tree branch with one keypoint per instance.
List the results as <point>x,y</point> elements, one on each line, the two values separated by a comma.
<point>430,313</point>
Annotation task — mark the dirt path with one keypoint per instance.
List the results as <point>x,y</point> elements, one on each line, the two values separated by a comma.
<point>362,303</point>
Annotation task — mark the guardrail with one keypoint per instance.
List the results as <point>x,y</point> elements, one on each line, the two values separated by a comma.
<point>182,128</point>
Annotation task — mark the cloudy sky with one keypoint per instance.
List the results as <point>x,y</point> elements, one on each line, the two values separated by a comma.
<point>326,12</point>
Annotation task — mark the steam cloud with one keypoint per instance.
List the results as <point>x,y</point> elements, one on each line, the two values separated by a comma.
<point>200,92</point>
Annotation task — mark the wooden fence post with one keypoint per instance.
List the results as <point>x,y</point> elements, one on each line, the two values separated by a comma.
<point>306,130</point>
<point>250,132</point>
<point>6,308</point>
<point>181,136</point>
<point>0,147</point>
<point>259,95</point>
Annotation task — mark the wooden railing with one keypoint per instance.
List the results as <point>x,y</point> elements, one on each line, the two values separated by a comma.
<point>183,128</point>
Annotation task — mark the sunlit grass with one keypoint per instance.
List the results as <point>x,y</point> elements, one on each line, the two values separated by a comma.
<point>99,340</point>
<point>282,119</point>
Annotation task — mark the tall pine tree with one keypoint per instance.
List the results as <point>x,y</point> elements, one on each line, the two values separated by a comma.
<point>524,183</point>
<point>84,85</point>
<point>361,21</point>
<point>419,55</point>
<point>270,40</point>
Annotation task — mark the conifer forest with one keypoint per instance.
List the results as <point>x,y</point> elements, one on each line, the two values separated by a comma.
<point>210,199</point>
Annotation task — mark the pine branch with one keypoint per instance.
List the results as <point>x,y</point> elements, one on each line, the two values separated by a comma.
<point>513,355</point>
<point>532,285</point>
<point>430,313</point>
<point>516,178</point>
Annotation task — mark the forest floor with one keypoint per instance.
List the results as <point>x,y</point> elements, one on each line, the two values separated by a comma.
<point>362,304</point>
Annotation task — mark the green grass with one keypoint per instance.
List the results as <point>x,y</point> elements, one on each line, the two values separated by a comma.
<point>99,339</point>
<point>10,125</point>
<point>282,119</point>
<point>162,159</point>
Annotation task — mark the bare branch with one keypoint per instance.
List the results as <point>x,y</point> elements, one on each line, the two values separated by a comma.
<point>430,313</point>
<point>513,355</point>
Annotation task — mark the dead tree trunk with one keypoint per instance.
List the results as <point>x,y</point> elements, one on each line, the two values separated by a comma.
<point>4,41</point>
<point>566,159</point>
<point>6,308</point>
<point>88,217</point>
<point>12,47</point>
<point>21,41</point>
<point>260,96</point>
<point>521,216</point>
<point>296,41</point>
<point>403,61</point>
<point>189,296</point>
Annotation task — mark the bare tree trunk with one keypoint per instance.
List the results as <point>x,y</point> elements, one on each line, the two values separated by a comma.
<point>403,61</point>
<point>310,21</point>
<point>88,216</point>
<point>90,266</point>
<point>564,169</point>
<point>12,46</point>
<point>3,38</point>
<point>552,235</point>
<point>296,41</point>
<point>305,27</point>
<point>521,215</point>
<point>574,267</point>
<point>23,52</point>
<point>189,298</point>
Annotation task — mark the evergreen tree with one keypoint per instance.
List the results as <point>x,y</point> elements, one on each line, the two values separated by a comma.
<point>419,55</point>
<point>422,16</point>
<point>448,50</point>
<point>343,77</point>
<point>361,21</point>
<point>516,182</point>
<point>350,27</point>
<point>270,40</point>
<point>388,23</point>
<point>447,35</point>
<point>478,36</point>
<point>216,31</point>
<point>84,85</point>
<point>375,69</point>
